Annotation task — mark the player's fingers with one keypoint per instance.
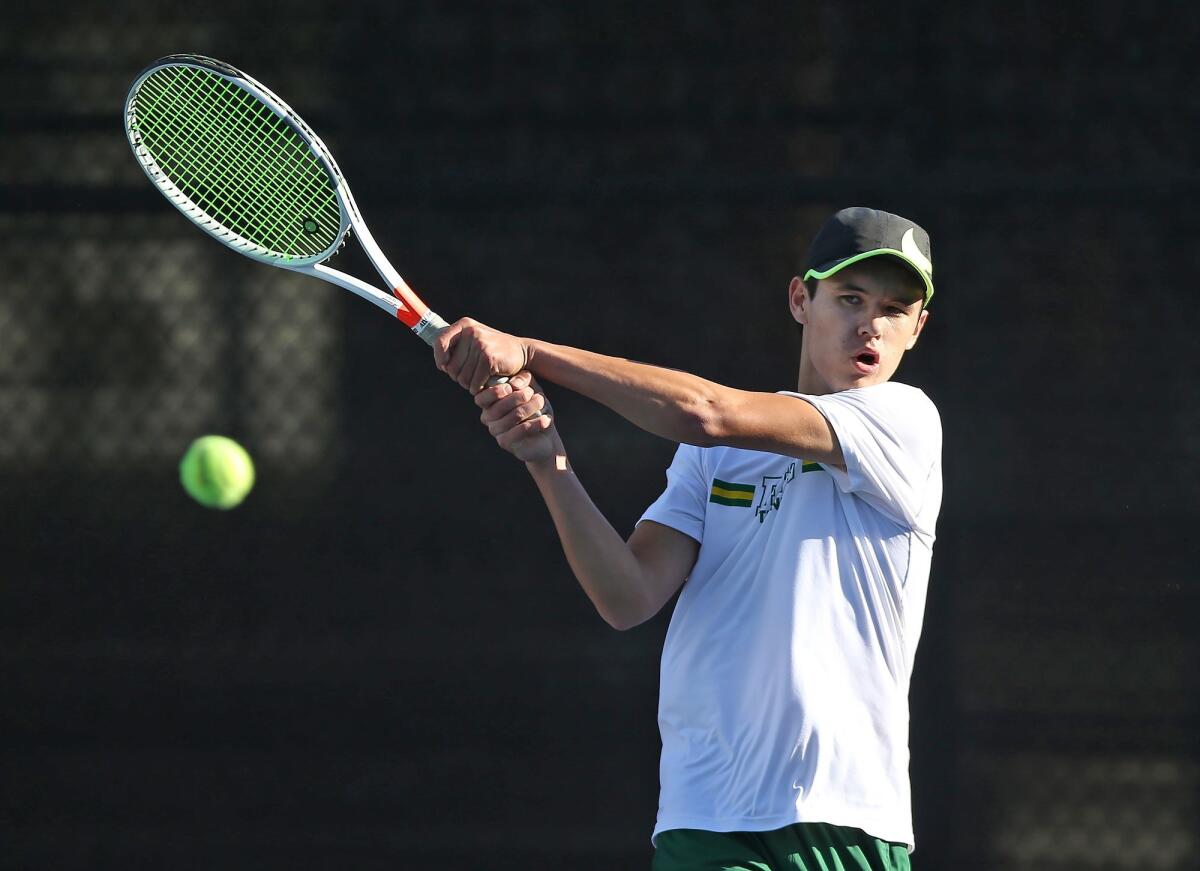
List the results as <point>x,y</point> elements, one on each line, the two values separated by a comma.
<point>485,373</point>
<point>529,428</point>
<point>537,388</point>
<point>477,379</point>
<point>485,399</point>
<point>502,408</point>
<point>528,409</point>
<point>444,342</point>
<point>459,352</point>
<point>531,382</point>
<point>532,407</point>
<point>466,374</point>
<point>502,416</point>
<point>449,341</point>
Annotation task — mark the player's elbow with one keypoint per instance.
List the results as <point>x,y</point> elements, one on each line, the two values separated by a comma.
<point>700,416</point>
<point>617,622</point>
<point>623,622</point>
<point>705,423</point>
<point>627,613</point>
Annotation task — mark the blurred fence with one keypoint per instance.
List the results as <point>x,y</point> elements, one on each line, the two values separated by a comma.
<point>381,660</point>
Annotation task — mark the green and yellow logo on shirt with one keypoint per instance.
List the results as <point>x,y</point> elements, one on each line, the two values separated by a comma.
<point>737,495</point>
<point>742,495</point>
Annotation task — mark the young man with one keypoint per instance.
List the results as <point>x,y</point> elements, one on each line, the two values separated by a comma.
<point>803,525</point>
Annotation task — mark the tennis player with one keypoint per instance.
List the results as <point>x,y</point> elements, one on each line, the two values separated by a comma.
<point>797,528</point>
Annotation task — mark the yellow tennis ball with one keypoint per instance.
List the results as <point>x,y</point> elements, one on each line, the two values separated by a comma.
<point>217,472</point>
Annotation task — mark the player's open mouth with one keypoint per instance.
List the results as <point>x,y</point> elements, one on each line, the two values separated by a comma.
<point>867,361</point>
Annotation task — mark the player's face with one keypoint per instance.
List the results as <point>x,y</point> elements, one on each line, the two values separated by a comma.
<point>857,326</point>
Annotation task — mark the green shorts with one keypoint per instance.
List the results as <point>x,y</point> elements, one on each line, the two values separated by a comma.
<point>800,847</point>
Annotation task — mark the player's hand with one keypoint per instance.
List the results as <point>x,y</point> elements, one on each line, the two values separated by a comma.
<point>472,353</point>
<point>519,417</point>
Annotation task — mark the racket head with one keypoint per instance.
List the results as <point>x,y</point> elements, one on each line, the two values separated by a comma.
<point>237,161</point>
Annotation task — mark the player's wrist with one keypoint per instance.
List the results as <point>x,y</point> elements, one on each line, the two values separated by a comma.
<point>529,350</point>
<point>554,464</point>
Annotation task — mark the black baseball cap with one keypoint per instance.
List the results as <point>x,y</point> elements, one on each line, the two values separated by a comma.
<point>858,233</point>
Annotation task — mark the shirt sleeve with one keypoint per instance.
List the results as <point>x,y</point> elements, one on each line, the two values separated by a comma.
<point>682,504</point>
<point>891,439</point>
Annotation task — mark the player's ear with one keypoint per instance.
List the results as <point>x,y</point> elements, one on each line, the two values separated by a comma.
<point>798,300</point>
<point>921,318</point>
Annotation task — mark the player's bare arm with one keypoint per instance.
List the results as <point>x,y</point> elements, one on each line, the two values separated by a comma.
<point>672,404</point>
<point>627,581</point>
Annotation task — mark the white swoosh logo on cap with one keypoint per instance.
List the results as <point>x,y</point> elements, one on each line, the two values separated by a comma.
<point>908,245</point>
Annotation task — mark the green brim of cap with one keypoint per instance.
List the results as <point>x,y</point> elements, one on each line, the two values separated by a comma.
<point>899,255</point>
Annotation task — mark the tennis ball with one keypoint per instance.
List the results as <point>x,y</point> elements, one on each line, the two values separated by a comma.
<point>216,472</point>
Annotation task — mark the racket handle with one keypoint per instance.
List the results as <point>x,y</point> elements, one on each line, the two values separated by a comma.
<point>430,326</point>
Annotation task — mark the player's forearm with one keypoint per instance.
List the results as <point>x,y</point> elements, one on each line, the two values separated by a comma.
<point>602,561</point>
<point>672,404</point>
<point>686,408</point>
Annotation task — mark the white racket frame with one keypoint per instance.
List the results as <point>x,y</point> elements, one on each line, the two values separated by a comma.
<point>428,324</point>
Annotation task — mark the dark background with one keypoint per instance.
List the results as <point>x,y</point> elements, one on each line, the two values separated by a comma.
<point>381,660</point>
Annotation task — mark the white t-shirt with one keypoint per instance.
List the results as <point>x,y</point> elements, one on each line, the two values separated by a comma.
<point>785,672</point>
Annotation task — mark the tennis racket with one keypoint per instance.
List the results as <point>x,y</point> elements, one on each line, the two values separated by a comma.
<point>242,166</point>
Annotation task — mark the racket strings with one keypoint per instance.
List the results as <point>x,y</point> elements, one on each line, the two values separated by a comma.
<point>300,158</point>
<point>215,178</point>
<point>230,140</point>
<point>238,161</point>
<point>181,159</point>
<point>209,182</point>
<point>258,162</point>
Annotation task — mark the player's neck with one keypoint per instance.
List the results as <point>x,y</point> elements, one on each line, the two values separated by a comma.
<point>810,382</point>
<point>808,379</point>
